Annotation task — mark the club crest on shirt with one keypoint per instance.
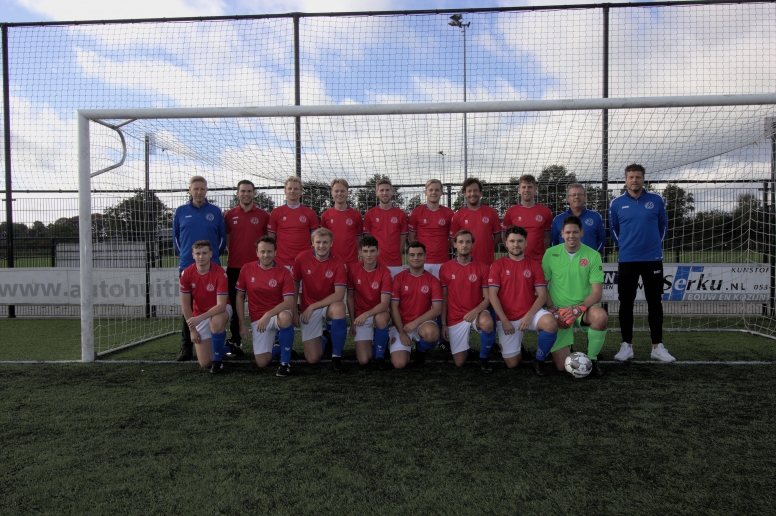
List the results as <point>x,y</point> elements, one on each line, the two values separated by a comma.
<point>539,218</point>
<point>527,273</point>
<point>394,220</point>
<point>210,287</point>
<point>329,274</point>
<point>210,216</point>
<point>485,220</point>
<point>589,222</point>
<point>583,262</point>
<point>254,220</point>
<point>273,283</point>
<point>472,277</point>
<point>442,222</point>
<point>348,222</point>
<point>302,219</point>
<point>375,285</point>
<point>424,289</point>
<point>649,205</point>
<point>284,217</point>
<point>465,221</point>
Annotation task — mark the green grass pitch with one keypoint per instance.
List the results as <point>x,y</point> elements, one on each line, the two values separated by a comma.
<point>131,437</point>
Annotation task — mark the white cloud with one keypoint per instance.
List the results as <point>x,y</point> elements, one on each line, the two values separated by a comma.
<point>106,10</point>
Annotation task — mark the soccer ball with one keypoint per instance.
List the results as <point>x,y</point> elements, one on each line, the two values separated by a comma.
<point>578,365</point>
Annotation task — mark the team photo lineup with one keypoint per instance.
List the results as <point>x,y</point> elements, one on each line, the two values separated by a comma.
<point>297,271</point>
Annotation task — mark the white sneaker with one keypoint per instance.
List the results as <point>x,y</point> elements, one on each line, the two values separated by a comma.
<point>625,353</point>
<point>662,354</point>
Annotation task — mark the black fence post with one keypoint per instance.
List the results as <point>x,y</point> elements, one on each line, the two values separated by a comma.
<point>297,99</point>
<point>7,141</point>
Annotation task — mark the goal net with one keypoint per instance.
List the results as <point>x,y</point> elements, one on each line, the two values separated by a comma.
<point>711,157</point>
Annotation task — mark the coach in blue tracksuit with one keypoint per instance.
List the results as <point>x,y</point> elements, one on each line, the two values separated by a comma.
<point>196,220</point>
<point>638,223</point>
<point>592,223</point>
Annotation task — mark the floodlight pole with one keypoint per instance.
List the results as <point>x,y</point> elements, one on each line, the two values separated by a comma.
<point>456,22</point>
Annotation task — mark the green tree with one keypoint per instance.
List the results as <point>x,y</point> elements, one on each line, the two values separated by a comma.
<point>366,197</point>
<point>131,218</point>
<point>498,197</point>
<point>64,227</point>
<point>750,224</point>
<point>317,195</point>
<point>261,199</point>
<point>679,208</point>
<point>554,181</point>
<point>414,202</point>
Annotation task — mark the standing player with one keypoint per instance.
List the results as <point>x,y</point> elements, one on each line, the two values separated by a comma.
<point>270,292</point>
<point>344,222</point>
<point>594,234</point>
<point>638,225</point>
<point>205,305</point>
<point>430,224</point>
<point>291,224</point>
<point>481,220</point>
<point>517,293</point>
<point>415,304</point>
<point>196,220</point>
<point>388,224</point>
<point>323,276</point>
<point>534,217</point>
<point>575,275</point>
<point>465,282</point>
<point>246,223</point>
<point>369,302</point>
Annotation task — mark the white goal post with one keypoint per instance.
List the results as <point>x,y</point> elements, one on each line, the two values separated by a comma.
<point>85,116</point>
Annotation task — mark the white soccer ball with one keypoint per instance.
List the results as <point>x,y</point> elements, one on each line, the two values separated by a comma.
<point>578,365</point>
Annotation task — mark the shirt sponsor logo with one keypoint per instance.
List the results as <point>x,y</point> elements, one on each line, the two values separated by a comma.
<point>472,277</point>
<point>649,205</point>
<point>329,274</point>
<point>375,285</point>
<point>254,220</point>
<point>210,216</point>
<point>309,272</point>
<point>302,219</point>
<point>377,219</point>
<point>234,221</point>
<point>253,279</point>
<point>273,283</point>
<point>583,262</point>
<point>589,222</point>
<point>452,276</point>
<point>210,287</point>
<point>424,289</point>
<point>527,273</point>
<point>508,272</point>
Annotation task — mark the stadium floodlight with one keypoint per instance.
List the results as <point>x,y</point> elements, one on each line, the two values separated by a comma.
<point>713,137</point>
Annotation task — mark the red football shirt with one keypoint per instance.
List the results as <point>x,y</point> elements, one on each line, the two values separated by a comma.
<point>369,286</point>
<point>346,226</point>
<point>464,285</point>
<point>318,277</point>
<point>483,224</point>
<point>291,228</point>
<point>517,281</point>
<point>265,288</point>
<point>433,230</point>
<point>244,229</point>
<point>387,226</point>
<point>415,294</point>
<point>204,288</point>
<point>536,220</point>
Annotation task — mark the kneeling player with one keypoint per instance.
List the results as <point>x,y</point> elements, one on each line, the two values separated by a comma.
<point>517,293</point>
<point>205,305</point>
<point>323,277</point>
<point>369,299</point>
<point>415,304</point>
<point>575,276</point>
<point>465,307</point>
<point>270,292</point>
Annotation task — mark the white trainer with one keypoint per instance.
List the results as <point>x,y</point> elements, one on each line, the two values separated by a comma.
<point>662,354</point>
<point>625,353</point>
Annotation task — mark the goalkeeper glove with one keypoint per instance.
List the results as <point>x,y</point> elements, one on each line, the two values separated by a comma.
<point>567,315</point>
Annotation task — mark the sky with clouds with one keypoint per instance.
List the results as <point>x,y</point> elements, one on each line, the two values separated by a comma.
<point>360,60</point>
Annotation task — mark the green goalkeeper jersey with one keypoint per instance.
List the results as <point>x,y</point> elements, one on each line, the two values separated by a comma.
<point>570,278</point>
